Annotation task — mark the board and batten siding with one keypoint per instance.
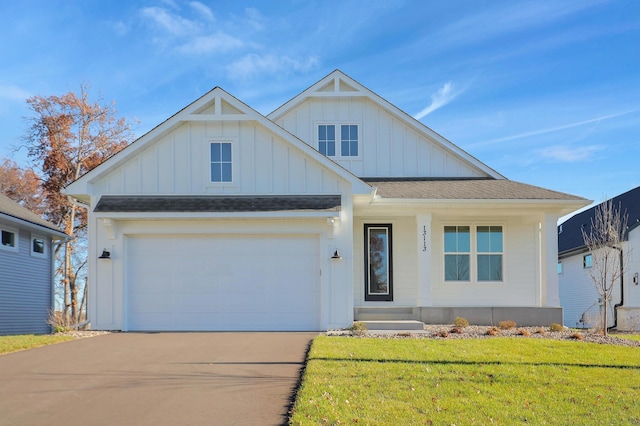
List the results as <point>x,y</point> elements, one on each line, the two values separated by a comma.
<point>179,163</point>
<point>388,146</point>
<point>25,288</point>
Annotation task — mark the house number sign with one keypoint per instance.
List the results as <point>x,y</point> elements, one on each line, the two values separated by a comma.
<point>424,238</point>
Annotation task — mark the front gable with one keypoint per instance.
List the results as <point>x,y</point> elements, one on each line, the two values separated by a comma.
<point>390,143</point>
<point>217,145</point>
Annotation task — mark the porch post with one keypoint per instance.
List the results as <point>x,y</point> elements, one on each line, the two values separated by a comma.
<point>423,230</point>
<point>549,260</point>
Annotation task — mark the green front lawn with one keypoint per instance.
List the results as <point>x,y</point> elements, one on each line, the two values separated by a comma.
<point>501,381</point>
<point>628,336</point>
<point>27,341</point>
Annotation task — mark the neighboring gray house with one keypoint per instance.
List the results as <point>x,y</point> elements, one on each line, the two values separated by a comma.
<point>26,269</point>
<point>580,301</point>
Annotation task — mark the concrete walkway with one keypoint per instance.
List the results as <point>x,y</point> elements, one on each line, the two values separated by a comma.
<point>154,379</point>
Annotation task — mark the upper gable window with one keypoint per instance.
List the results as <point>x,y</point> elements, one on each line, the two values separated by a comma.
<point>221,165</point>
<point>348,139</point>
<point>9,239</point>
<point>327,140</point>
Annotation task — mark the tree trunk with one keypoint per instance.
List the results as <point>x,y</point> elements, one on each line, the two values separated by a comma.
<point>604,317</point>
<point>70,282</point>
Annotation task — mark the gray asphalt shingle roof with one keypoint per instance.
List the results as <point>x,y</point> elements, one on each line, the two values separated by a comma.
<point>463,189</point>
<point>217,203</point>
<point>15,210</point>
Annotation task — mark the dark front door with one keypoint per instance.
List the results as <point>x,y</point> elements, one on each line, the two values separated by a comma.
<point>378,274</point>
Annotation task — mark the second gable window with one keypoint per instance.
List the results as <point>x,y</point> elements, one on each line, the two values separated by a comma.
<point>348,146</point>
<point>221,162</point>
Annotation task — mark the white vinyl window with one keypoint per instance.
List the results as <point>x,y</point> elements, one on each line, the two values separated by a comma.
<point>340,140</point>
<point>473,253</point>
<point>587,261</point>
<point>221,163</point>
<point>9,239</point>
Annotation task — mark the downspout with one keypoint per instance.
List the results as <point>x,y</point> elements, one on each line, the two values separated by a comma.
<point>617,305</point>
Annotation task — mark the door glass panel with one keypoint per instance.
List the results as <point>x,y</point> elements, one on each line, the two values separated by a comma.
<point>378,261</point>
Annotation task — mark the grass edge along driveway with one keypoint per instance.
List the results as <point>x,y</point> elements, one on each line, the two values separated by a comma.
<point>15,343</point>
<point>501,381</point>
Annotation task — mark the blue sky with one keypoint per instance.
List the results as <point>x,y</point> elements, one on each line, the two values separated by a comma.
<point>545,92</point>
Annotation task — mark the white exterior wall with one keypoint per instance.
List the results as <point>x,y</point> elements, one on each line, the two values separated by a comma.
<point>179,163</point>
<point>388,146</point>
<point>629,314</point>
<point>418,266</point>
<point>520,286</point>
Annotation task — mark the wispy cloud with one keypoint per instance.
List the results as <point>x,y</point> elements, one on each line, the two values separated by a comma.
<point>219,42</point>
<point>252,64</point>
<point>13,93</point>
<point>203,10</point>
<point>443,96</point>
<point>569,154</point>
<point>172,23</point>
<point>551,129</point>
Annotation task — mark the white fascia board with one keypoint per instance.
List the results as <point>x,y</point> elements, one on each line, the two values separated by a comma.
<point>363,91</point>
<point>21,223</point>
<point>216,215</point>
<point>560,206</point>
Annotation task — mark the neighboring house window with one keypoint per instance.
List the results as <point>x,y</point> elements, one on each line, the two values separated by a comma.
<point>489,246</point>
<point>221,170</point>
<point>9,239</point>
<point>587,261</point>
<point>327,140</point>
<point>487,253</point>
<point>457,248</point>
<point>348,139</point>
<point>559,267</point>
<point>38,246</point>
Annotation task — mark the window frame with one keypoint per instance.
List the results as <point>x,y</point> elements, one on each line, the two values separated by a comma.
<point>474,252</point>
<point>337,126</point>
<point>560,267</point>
<point>210,162</point>
<point>378,297</point>
<point>44,246</point>
<point>587,264</point>
<point>16,238</point>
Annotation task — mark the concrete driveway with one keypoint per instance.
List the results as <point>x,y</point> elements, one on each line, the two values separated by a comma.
<point>154,379</point>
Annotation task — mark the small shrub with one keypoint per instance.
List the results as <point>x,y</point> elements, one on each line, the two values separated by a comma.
<point>556,327</point>
<point>493,331</point>
<point>460,322</point>
<point>524,332</point>
<point>507,325</point>
<point>358,328</point>
<point>58,321</point>
<point>577,335</point>
<point>540,331</point>
<point>457,330</point>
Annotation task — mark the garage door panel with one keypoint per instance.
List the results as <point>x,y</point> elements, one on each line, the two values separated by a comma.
<point>223,283</point>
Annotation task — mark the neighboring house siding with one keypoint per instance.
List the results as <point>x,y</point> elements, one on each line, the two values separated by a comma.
<point>632,290</point>
<point>389,147</point>
<point>179,163</point>
<point>25,288</point>
<point>578,295</point>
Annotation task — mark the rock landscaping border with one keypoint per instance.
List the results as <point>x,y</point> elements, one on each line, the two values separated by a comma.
<point>480,332</point>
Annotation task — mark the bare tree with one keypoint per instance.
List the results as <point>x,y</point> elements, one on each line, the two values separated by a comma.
<point>605,239</point>
<point>68,136</point>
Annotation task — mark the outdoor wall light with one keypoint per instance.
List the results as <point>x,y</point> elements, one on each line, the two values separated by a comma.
<point>635,278</point>
<point>336,255</point>
<point>105,254</point>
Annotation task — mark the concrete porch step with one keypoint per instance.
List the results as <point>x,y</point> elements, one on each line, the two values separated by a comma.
<point>394,325</point>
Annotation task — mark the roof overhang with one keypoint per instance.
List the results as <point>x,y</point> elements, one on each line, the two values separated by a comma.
<point>55,234</point>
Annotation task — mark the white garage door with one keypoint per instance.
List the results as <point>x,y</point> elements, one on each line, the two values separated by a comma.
<point>185,283</point>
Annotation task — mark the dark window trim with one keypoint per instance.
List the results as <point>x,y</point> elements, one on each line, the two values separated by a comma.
<point>378,297</point>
